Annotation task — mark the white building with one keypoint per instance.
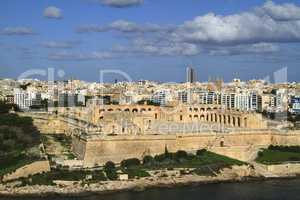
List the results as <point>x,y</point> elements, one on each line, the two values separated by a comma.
<point>26,99</point>
<point>162,97</point>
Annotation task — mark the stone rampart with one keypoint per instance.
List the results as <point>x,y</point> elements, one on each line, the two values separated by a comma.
<point>285,169</point>
<point>96,150</point>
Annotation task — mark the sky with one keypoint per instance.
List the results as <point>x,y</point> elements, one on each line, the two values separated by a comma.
<point>150,39</point>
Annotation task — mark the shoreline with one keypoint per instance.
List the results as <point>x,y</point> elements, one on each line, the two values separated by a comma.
<point>138,185</point>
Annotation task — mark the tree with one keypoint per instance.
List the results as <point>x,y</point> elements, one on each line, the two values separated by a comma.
<point>148,160</point>
<point>181,155</point>
<point>109,166</point>
<point>200,152</point>
<point>132,162</point>
<point>110,170</point>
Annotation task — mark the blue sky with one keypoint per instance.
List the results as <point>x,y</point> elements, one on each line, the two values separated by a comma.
<point>151,39</point>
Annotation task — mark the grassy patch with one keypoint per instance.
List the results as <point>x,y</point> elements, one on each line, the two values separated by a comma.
<point>10,164</point>
<point>17,134</point>
<point>193,161</point>
<point>205,163</point>
<point>136,172</point>
<point>18,138</point>
<point>268,156</point>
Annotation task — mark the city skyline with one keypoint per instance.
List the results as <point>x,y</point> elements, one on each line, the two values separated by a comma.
<point>247,40</point>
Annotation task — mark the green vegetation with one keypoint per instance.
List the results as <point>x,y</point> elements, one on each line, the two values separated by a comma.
<point>10,164</point>
<point>4,107</point>
<point>111,171</point>
<point>130,163</point>
<point>203,163</point>
<point>279,154</point>
<point>76,175</point>
<point>181,159</point>
<point>136,172</point>
<point>18,138</point>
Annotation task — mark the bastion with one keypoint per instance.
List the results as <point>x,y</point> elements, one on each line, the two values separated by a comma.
<point>96,150</point>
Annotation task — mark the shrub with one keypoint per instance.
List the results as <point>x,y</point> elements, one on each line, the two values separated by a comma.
<point>295,149</point>
<point>110,170</point>
<point>160,158</point>
<point>260,154</point>
<point>132,162</point>
<point>148,160</point>
<point>109,166</point>
<point>201,152</point>
<point>181,155</point>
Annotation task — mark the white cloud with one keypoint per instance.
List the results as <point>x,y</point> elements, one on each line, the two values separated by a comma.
<point>259,48</point>
<point>286,11</point>
<point>58,45</point>
<point>17,31</point>
<point>258,31</point>
<point>162,48</point>
<point>124,26</point>
<point>53,12</point>
<point>237,29</point>
<point>66,55</point>
<point>122,3</point>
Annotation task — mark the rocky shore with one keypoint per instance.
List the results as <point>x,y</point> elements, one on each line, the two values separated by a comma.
<point>73,188</point>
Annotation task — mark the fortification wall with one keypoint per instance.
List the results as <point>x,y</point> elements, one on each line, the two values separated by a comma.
<point>285,169</point>
<point>98,150</point>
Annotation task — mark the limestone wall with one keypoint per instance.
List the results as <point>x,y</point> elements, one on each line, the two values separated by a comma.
<point>79,147</point>
<point>284,169</point>
<point>27,170</point>
<point>243,146</point>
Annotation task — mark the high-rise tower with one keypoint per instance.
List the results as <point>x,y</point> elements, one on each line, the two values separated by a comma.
<point>191,76</point>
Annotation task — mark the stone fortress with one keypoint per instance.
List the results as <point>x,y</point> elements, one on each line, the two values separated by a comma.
<point>104,133</point>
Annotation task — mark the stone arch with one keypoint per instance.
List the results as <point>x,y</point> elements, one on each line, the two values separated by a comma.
<point>143,109</point>
<point>135,110</point>
<point>196,109</point>
<point>233,121</point>
<point>102,110</point>
<point>110,110</point>
<point>245,122</point>
<point>221,143</point>
<point>101,117</point>
<point>149,109</point>
<point>202,117</point>
<point>202,109</point>
<point>196,116</point>
<point>127,110</point>
<point>118,109</point>
<point>208,109</point>
<point>239,122</point>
